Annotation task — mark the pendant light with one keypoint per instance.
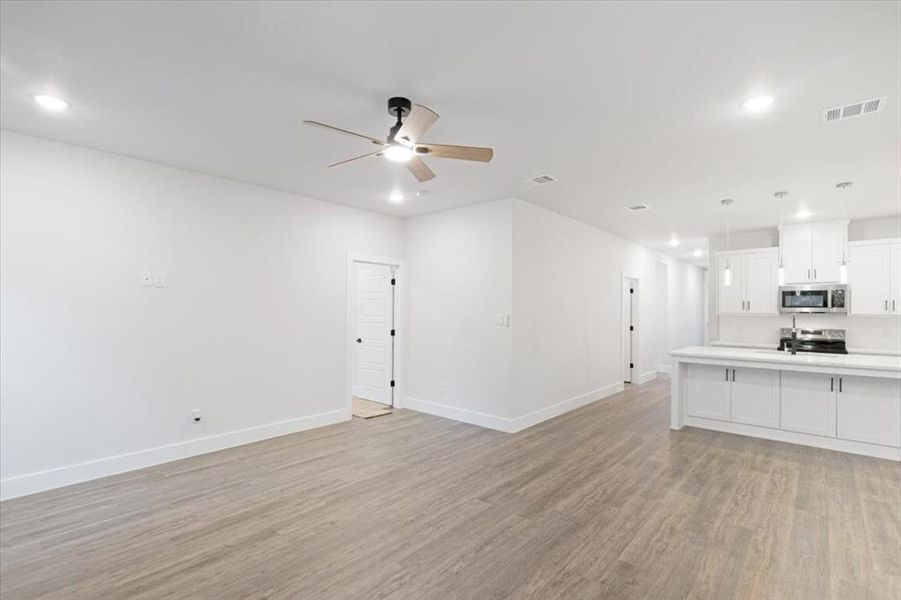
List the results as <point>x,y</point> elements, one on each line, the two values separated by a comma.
<point>779,196</point>
<point>727,272</point>
<point>843,266</point>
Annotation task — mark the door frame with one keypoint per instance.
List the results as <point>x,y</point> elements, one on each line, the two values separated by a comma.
<point>636,333</point>
<point>399,326</point>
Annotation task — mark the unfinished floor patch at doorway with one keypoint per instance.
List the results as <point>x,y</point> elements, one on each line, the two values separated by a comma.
<point>367,409</point>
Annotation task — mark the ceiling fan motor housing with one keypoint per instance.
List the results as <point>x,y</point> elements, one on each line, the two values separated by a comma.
<point>399,107</point>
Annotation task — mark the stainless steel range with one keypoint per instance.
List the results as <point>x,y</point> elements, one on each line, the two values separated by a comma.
<point>828,341</point>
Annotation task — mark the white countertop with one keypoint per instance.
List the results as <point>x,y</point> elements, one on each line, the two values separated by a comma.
<point>847,361</point>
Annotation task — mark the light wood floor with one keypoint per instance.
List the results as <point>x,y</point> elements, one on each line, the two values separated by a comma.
<point>603,502</point>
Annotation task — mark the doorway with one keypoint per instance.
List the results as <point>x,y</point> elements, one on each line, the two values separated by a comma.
<point>372,303</point>
<point>630,329</point>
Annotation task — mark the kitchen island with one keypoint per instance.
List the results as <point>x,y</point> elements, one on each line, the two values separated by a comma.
<point>845,402</point>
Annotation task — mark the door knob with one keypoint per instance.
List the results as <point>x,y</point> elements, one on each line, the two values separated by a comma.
<point>359,340</point>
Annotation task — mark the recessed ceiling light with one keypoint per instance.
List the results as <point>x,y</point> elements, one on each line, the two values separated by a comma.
<point>803,214</point>
<point>398,153</point>
<point>396,196</point>
<point>674,241</point>
<point>50,103</point>
<point>696,252</point>
<point>757,103</point>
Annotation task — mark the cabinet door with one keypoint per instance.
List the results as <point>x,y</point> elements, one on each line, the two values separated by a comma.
<point>755,397</point>
<point>869,410</point>
<point>796,247</point>
<point>807,403</point>
<point>731,297</point>
<point>707,392</point>
<point>869,280</point>
<point>894,276</point>
<point>761,283</point>
<point>827,250</point>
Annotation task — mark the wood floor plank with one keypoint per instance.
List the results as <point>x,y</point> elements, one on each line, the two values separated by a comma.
<point>602,502</point>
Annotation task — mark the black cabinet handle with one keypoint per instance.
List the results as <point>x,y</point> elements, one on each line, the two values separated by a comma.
<point>839,384</point>
<point>832,384</point>
<point>727,373</point>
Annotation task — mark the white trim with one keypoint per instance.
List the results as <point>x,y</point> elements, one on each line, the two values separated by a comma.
<point>400,325</point>
<point>555,410</point>
<point>32,483</point>
<point>460,414</point>
<point>514,425</point>
<point>879,242</point>
<point>791,437</point>
<point>664,369</point>
<point>646,377</point>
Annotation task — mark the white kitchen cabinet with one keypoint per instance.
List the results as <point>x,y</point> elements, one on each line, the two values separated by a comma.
<point>874,271</point>
<point>755,397</point>
<point>895,271</point>
<point>807,403</point>
<point>869,410</point>
<point>813,252</point>
<point>754,284</point>
<point>762,282</point>
<point>707,392</point>
<point>730,299</point>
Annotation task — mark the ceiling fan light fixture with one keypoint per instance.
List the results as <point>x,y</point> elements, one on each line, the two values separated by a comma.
<point>398,153</point>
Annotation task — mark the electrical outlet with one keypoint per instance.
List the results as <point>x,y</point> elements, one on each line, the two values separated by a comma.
<point>146,279</point>
<point>159,279</point>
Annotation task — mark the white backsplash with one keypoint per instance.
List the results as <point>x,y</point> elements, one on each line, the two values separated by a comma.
<point>872,333</point>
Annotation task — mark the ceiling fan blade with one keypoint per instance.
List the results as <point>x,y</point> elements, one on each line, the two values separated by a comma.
<point>419,169</point>
<point>417,123</point>
<point>458,152</point>
<point>344,131</point>
<point>344,162</point>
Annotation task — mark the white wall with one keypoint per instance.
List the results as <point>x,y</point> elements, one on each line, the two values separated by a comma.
<point>567,310</point>
<point>99,374</point>
<point>874,333</point>
<point>459,263</point>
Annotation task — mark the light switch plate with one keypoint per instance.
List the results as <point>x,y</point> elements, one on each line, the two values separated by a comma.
<point>146,279</point>
<point>159,279</point>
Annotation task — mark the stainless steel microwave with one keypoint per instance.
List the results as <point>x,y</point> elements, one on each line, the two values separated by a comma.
<point>814,298</point>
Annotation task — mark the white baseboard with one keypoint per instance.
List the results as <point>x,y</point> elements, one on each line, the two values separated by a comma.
<point>646,377</point>
<point>506,424</point>
<point>459,414</point>
<point>664,369</point>
<point>32,483</point>
<point>555,410</point>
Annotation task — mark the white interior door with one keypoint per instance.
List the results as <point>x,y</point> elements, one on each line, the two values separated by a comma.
<point>374,355</point>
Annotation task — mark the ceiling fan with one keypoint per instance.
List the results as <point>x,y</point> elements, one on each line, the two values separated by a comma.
<point>403,145</point>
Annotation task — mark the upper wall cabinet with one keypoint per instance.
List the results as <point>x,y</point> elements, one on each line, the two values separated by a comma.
<point>874,277</point>
<point>813,252</point>
<point>753,282</point>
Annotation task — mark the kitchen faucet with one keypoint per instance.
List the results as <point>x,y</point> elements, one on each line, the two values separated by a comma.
<point>794,342</point>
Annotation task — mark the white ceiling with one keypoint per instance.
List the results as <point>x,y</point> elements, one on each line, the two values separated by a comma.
<point>625,103</point>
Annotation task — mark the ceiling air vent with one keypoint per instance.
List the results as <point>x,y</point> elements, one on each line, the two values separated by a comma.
<point>855,109</point>
<point>541,179</point>
<point>638,207</point>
